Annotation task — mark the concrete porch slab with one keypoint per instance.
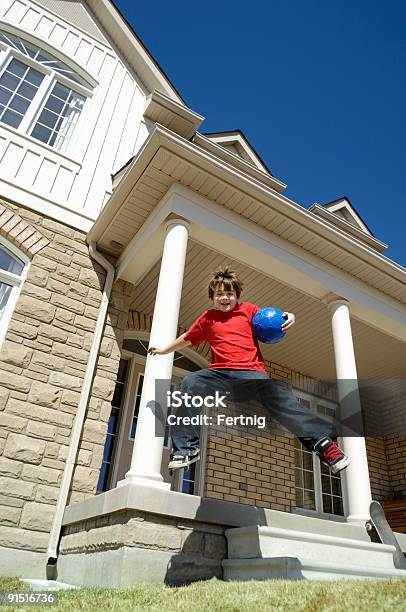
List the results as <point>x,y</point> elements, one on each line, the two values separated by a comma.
<point>297,568</point>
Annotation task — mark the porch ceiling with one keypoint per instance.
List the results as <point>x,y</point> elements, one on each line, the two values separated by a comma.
<point>308,348</point>
<point>166,159</point>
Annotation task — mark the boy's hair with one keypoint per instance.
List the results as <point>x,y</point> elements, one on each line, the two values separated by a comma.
<point>227,278</point>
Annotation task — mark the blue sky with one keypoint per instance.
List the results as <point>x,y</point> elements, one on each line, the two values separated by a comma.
<point>318,88</point>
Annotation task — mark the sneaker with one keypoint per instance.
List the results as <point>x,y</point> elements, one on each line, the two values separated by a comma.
<point>180,461</point>
<point>332,456</point>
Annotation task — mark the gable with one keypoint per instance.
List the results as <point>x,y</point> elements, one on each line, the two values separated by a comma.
<point>344,209</point>
<point>75,13</point>
<point>236,143</point>
<point>343,215</point>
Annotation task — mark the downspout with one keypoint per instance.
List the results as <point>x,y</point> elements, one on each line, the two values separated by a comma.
<point>53,543</point>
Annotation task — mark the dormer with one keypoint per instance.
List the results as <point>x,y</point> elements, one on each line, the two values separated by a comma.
<point>235,142</point>
<point>343,215</point>
<point>234,148</point>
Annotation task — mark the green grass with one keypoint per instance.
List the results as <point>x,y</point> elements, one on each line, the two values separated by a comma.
<point>215,595</point>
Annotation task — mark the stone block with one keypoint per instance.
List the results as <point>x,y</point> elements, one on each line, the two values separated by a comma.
<point>4,393</point>
<point>9,467</point>
<point>70,352</point>
<point>47,361</point>
<point>14,381</point>
<point>192,542</point>
<point>53,463</point>
<point>24,448</point>
<point>215,546</point>
<point>84,458</point>
<point>66,381</point>
<point>23,330</point>
<point>70,398</point>
<point>10,422</point>
<point>82,261</point>
<point>103,388</point>
<point>89,278</point>
<point>41,430</point>
<point>52,450</point>
<point>85,479</point>
<point>41,475</point>
<point>13,537</point>
<point>15,354</point>
<point>40,413</point>
<point>68,272</point>
<point>68,304</point>
<point>53,333</point>
<point>85,323</point>
<point>58,228</point>
<point>44,263</point>
<point>37,292</point>
<point>11,501</point>
<point>9,515</point>
<point>32,307</point>
<point>38,276</point>
<point>44,394</point>
<point>46,494</point>
<point>66,316</point>
<point>17,488</point>
<point>153,535</point>
<point>77,290</point>
<point>94,431</point>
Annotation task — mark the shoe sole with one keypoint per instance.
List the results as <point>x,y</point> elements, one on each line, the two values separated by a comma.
<point>340,465</point>
<point>177,465</point>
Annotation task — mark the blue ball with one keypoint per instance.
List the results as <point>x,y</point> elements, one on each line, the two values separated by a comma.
<point>266,325</point>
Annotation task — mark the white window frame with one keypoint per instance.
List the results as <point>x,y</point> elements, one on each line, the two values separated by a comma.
<point>314,401</point>
<point>41,97</point>
<point>141,360</point>
<point>16,281</point>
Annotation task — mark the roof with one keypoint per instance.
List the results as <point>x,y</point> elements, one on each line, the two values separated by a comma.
<point>127,41</point>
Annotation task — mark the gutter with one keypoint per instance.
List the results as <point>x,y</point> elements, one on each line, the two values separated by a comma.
<point>53,543</point>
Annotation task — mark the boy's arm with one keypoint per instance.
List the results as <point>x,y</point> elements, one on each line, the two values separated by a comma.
<point>176,345</point>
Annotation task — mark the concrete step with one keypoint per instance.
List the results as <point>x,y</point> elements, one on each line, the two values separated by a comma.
<point>297,568</point>
<point>300,522</point>
<point>266,542</point>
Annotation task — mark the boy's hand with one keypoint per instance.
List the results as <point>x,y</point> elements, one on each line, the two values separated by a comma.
<point>290,320</point>
<point>153,350</point>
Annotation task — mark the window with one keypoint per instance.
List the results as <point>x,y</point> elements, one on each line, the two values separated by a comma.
<point>39,94</point>
<point>112,429</point>
<point>316,487</point>
<point>13,266</point>
<point>136,406</point>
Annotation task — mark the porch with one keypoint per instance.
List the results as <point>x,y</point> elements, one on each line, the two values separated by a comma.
<point>166,249</point>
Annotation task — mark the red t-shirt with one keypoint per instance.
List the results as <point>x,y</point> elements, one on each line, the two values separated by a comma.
<point>230,337</point>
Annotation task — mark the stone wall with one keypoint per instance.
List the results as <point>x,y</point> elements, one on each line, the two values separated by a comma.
<point>181,550</point>
<point>42,365</point>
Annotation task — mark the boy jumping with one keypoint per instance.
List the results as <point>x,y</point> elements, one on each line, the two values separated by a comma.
<point>236,357</point>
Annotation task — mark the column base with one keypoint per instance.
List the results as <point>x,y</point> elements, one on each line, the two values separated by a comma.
<point>361,519</point>
<point>145,481</point>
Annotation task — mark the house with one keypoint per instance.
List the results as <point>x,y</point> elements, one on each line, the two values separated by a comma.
<point>114,208</point>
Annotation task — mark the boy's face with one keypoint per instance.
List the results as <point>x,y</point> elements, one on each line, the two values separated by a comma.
<point>224,299</point>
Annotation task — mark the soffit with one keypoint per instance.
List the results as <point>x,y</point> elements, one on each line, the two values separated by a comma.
<point>166,159</point>
<point>308,347</point>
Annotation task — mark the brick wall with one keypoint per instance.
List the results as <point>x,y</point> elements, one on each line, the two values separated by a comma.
<point>42,365</point>
<point>264,465</point>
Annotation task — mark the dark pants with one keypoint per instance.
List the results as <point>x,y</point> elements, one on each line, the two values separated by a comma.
<point>244,385</point>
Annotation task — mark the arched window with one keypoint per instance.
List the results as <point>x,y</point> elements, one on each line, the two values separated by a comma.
<point>40,94</point>
<point>13,268</point>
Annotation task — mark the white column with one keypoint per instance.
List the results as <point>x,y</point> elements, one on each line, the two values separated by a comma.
<point>356,477</point>
<point>147,454</point>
